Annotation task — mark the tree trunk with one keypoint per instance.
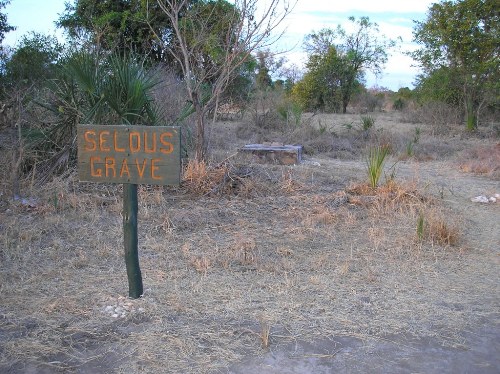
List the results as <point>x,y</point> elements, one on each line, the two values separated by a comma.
<point>201,142</point>
<point>130,208</point>
<point>470,114</point>
<point>200,147</point>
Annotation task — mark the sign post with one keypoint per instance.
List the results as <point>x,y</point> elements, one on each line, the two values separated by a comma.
<point>131,155</point>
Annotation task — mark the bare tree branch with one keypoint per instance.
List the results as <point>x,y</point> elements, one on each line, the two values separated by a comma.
<point>211,40</point>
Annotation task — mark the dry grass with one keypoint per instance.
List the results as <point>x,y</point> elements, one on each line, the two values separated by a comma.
<point>439,230</point>
<point>199,179</point>
<point>484,159</point>
<point>237,260</point>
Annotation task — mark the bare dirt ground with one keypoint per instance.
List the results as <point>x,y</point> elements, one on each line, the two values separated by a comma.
<point>278,269</point>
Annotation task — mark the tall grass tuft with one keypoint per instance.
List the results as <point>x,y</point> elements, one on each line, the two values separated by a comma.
<point>367,122</point>
<point>375,164</point>
<point>420,227</point>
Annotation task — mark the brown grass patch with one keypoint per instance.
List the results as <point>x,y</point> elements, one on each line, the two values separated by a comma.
<point>200,179</point>
<point>237,260</point>
<point>389,197</point>
<point>439,229</point>
<point>483,160</point>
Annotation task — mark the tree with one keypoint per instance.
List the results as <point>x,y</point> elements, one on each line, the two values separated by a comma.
<point>320,88</point>
<point>33,60</point>
<point>211,40</point>
<point>117,25</point>
<point>441,85</point>
<point>4,25</point>
<point>4,28</point>
<point>263,79</point>
<point>345,57</point>
<point>267,64</point>
<point>463,37</point>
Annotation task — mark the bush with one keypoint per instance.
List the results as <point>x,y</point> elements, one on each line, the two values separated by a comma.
<point>367,122</point>
<point>398,104</point>
<point>290,112</point>
<point>434,113</point>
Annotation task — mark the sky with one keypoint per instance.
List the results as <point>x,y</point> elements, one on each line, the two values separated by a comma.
<point>394,17</point>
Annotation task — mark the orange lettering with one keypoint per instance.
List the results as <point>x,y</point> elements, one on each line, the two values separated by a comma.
<point>170,146</point>
<point>124,169</point>
<point>95,172</point>
<point>137,147</point>
<point>155,167</point>
<point>146,149</point>
<point>102,141</point>
<point>110,164</point>
<point>115,143</point>
<point>139,170</point>
<point>91,144</point>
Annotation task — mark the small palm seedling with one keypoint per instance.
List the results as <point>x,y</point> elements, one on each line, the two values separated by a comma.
<point>348,126</point>
<point>420,227</point>
<point>375,164</point>
<point>416,137</point>
<point>367,122</point>
<point>409,148</point>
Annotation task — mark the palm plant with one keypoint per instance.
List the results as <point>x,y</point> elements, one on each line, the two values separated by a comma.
<point>116,90</point>
<point>113,91</point>
<point>375,163</point>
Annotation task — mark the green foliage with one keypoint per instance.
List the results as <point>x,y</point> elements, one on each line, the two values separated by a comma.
<point>123,25</point>
<point>267,64</point>
<point>443,85</point>
<point>375,164</point>
<point>320,88</point>
<point>409,148</point>
<point>337,62</point>
<point>118,89</point>
<point>405,93</point>
<point>416,136</point>
<point>412,142</point>
<point>290,112</point>
<point>398,104</point>
<point>88,89</point>
<point>464,37</point>
<point>213,23</point>
<point>4,25</point>
<point>367,122</point>
<point>33,60</point>
<point>420,227</point>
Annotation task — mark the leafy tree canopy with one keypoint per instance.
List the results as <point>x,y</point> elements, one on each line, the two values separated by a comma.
<point>338,61</point>
<point>464,37</point>
<point>207,28</point>
<point>34,59</point>
<point>4,25</point>
<point>117,24</point>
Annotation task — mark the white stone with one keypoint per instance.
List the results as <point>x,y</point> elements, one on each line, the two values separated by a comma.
<point>480,199</point>
<point>492,199</point>
<point>115,315</point>
<point>109,308</point>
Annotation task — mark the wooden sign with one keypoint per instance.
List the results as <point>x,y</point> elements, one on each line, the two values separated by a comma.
<point>129,154</point>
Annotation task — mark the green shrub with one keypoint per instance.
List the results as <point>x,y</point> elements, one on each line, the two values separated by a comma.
<point>398,104</point>
<point>367,122</point>
<point>375,163</point>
